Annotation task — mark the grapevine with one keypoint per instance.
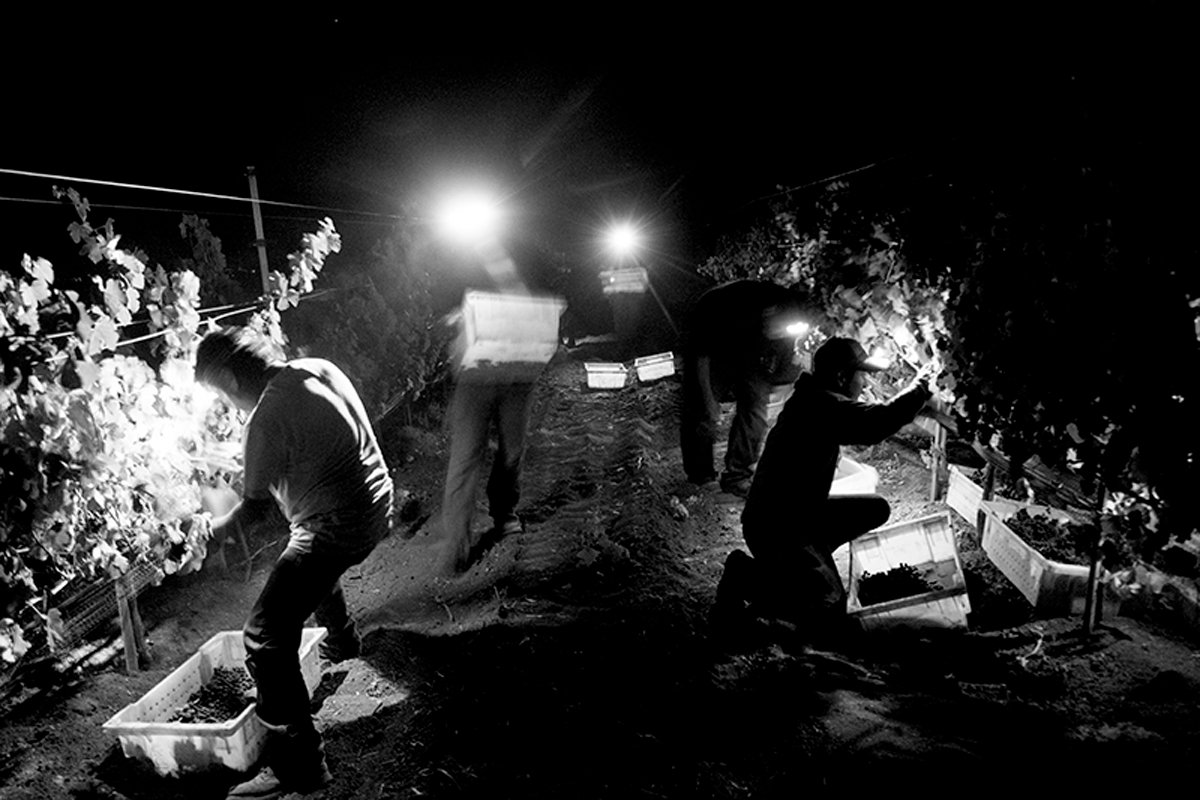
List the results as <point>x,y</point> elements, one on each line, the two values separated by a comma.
<point>1025,313</point>
<point>849,260</point>
<point>107,449</point>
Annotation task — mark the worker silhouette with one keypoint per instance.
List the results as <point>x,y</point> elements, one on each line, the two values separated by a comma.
<point>790,523</point>
<point>737,347</point>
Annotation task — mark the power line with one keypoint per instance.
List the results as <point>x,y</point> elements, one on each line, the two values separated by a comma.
<point>200,213</point>
<point>191,193</point>
<point>820,181</point>
<point>230,310</point>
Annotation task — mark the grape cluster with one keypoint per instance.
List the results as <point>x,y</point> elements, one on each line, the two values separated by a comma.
<point>221,699</point>
<point>1071,542</point>
<point>1057,540</point>
<point>900,581</point>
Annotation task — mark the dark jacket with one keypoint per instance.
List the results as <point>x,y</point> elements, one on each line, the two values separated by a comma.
<point>801,453</point>
<point>739,325</point>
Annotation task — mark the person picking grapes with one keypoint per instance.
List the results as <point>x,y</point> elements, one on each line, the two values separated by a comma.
<point>790,523</point>
<point>309,448</point>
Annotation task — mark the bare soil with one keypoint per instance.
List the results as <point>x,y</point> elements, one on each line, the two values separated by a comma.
<point>574,660</point>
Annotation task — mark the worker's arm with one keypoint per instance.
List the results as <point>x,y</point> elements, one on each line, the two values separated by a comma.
<point>708,398</point>
<point>704,377</point>
<point>860,423</point>
<point>249,514</point>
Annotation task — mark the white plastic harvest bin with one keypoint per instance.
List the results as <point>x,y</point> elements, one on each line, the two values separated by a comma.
<point>605,375</point>
<point>963,495</point>
<point>651,368</point>
<point>624,280</point>
<point>508,336</point>
<point>851,477</point>
<point>928,545</point>
<point>1048,585</point>
<point>179,747</point>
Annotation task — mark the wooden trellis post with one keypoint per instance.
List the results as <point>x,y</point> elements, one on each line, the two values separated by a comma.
<point>937,452</point>
<point>133,633</point>
<point>989,491</point>
<point>260,240</point>
<point>1093,603</point>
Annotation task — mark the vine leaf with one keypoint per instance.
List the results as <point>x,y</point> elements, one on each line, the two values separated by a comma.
<point>38,268</point>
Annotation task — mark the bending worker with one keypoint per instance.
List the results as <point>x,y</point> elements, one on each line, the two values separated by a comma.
<point>738,346</point>
<point>790,523</point>
<point>308,447</point>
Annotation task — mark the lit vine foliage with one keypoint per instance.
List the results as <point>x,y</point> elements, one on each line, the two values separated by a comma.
<point>103,457</point>
<point>1074,330</point>
<point>207,261</point>
<point>304,265</point>
<point>1066,323</point>
<point>379,324</point>
<point>847,252</point>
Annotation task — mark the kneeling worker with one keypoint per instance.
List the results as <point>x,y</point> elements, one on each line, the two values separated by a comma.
<point>790,523</point>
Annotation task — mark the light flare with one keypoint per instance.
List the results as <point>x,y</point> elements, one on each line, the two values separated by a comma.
<point>468,217</point>
<point>623,239</point>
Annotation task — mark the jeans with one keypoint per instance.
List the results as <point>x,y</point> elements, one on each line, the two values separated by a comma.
<point>794,559</point>
<point>699,420</point>
<point>301,584</point>
<point>472,410</point>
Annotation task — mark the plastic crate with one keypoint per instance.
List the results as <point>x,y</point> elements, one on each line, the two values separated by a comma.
<point>927,544</point>
<point>963,495</point>
<point>174,748</point>
<point>1183,594</point>
<point>508,337</point>
<point>624,280</point>
<point>851,477</point>
<point>651,368</point>
<point>605,375</point>
<point>1048,585</point>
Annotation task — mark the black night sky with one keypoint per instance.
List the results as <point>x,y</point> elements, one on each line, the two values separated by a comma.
<point>684,122</point>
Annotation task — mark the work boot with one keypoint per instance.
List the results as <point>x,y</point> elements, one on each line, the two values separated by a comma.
<point>505,526</point>
<point>736,579</point>
<point>294,763</point>
<point>730,618</point>
<point>266,785</point>
<point>335,651</point>
<point>738,487</point>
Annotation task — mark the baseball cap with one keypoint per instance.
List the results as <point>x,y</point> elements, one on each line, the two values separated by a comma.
<point>839,353</point>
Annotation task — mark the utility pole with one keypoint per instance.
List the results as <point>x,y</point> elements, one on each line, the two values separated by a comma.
<point>259,238</point>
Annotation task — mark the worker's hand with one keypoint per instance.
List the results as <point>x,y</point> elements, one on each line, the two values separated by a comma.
<point>198,525</point>
<point>927,373</point>
<point>218,500</point>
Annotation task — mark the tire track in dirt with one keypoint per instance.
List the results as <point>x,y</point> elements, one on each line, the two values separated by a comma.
<point>591,478</point>
<point>593,505</point>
